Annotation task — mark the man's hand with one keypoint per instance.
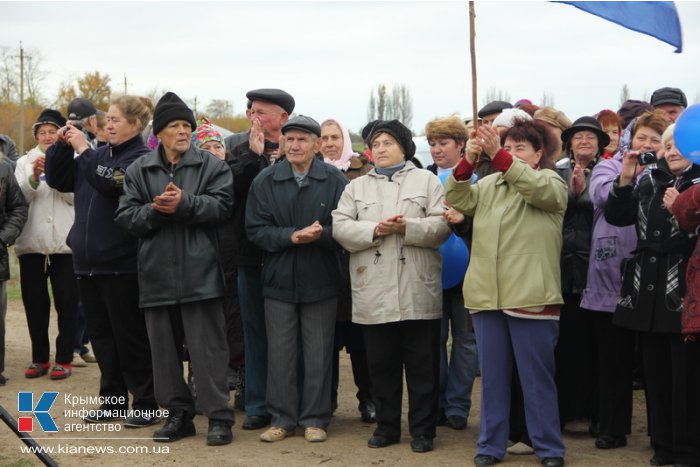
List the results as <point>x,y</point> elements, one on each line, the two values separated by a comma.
<point>257,138</point>
<point>168,202</point>
<point>308,234</point>
<point>391,225</point>
<point>38,167</point>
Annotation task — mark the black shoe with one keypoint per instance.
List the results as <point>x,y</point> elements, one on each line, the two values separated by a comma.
<point>660,459</point>
<point>441,418</point>
<point>610,442</point>
<point>3,379</point>
<point>456,422</point>
<point>368,411</point>
<point>381,441</point>
<point>219,433</point>
<point>140,422</point>
<point>255,422</point>
<point>594,429</point>
<point>481,460</point>
<point>104,414</point>
<point>178,425</point>
<point>421,444</point>
<point>553,462</point>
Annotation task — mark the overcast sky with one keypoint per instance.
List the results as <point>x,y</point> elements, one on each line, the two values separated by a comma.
<point>330,55</point>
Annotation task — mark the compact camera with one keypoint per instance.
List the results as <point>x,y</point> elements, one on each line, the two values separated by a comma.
<point>647,158</point>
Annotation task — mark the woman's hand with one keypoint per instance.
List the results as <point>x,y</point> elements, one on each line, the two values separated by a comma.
<point>391,225</point>
<point>578,181</point>
<point>473,148</point>
<point>670,196</point>
<point>38,168</point>
<point>630,167</point>
<point>489,140</point>
<point>75,138</point>
<point>257,138</point>
<point>452,215</point>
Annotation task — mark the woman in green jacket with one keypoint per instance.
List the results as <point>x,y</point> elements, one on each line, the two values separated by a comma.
<point>512,286</point>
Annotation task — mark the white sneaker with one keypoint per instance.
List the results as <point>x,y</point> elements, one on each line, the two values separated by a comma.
<point>78,360</point>
<point>89,357</point>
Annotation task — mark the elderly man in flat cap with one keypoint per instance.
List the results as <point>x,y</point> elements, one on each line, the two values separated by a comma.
<point>269,110</point>
<point>490,111</point>
<point>670,100</point>
<point>288,215</point>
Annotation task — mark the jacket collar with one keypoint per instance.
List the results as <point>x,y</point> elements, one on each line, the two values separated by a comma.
<point>401,173</point>
<point>283,170</point>
<point>157,158</point>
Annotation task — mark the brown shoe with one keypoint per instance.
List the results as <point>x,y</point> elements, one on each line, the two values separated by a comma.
<point>274,434</point>
<point>315,435</point>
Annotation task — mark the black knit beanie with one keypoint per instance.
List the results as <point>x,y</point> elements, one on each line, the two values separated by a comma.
<point>170,107</point>
<point>398,131</point>
<point>49,116</point>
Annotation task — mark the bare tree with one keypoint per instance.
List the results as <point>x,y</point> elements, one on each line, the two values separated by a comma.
<point>372,107</point>
<point>406,106</point>
<point>219,108</point>
<point>547,99</point>
<point>34,76</point>
<point>381,102</point>
<point>8,75</point>
<point>624,94</point>
<point>496,94</point>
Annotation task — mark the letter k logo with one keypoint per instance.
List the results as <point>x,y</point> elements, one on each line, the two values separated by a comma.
<point>25,403</point>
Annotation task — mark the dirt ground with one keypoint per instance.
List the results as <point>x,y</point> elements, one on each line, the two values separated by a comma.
<point>347,435</point>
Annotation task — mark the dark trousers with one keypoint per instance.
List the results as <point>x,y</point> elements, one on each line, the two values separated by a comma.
<point>615,349</point>
<point>349,335</point>
<point>201,325</point>
<point>575,357</point>
<point>119,339</point>
<point>412,345</point>
<point>232,314</point>
<point>665,358</point>
<point>34,270</point>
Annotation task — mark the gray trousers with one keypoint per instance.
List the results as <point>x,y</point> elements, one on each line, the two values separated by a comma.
<point>202,326</point>
<point>314,323</point>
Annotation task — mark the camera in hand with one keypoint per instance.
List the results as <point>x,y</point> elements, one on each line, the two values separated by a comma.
<point>647,158</point>
<point>77,124</point>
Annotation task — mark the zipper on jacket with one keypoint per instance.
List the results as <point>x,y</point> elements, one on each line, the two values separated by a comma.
<point>87,231</point>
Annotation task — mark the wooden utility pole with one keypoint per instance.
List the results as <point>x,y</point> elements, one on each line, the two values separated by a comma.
<point>125,91</point>
<point>21,100</point>
<point>472,50</point>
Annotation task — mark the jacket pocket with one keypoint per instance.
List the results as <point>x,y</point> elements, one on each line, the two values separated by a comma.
<point>627,292</point>
<point>604,248</point>
<point>414,204</point>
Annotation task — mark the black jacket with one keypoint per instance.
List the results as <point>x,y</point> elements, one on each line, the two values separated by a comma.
<point>178,255</point>
<point>245,165</point>
<point>577,233</point>
<point>13,213</point>
<point>96,177</point>
<point>277,206</point>
<point>653,281</point>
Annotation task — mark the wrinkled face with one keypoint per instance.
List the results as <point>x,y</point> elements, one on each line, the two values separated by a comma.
<point>386,151</point>
<point>176,136</point>
<point>445,152</point>
<point>524,151</point>
<point>46,135</point>
<point>270,116</point>
<point>215,148</point>
<point>118,128</point>
<point>646,139</point>
<point>300,147</point>
<point>676,162</point>
<point>488,120</point>
<point>614,133</point>
<point>672,111</point>
<point>584,145</point>
<point>331,141</point>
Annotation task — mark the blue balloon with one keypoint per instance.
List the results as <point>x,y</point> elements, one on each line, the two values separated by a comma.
<point>686,134</point>
<point>455,258</point>
<point>443,177</point>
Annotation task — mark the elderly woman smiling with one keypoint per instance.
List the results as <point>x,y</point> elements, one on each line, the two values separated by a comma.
<point>512,284</point>
<point>390,221</point>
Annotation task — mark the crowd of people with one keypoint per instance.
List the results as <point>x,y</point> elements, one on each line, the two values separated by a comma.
<point>259,256</point>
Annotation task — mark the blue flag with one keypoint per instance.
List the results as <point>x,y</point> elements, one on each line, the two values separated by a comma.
<point>656,19</point>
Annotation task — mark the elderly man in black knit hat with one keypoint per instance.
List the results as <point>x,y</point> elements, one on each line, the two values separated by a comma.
<point>288,215</point>
<point>173,199</point>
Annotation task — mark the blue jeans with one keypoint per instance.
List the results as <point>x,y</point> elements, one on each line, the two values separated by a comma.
<point>457,376</point>
<point>255,339</point>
